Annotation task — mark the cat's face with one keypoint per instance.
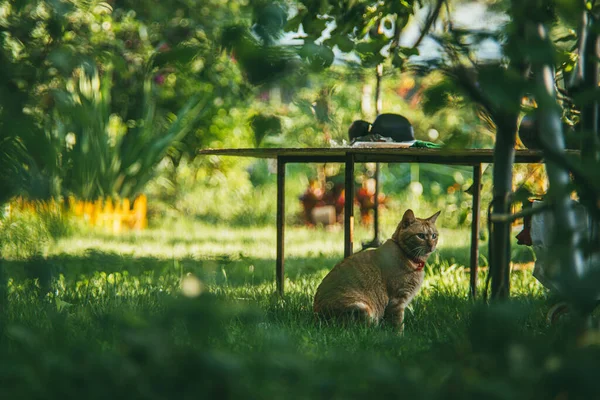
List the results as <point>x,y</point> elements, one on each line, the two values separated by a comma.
<point>417,236</point>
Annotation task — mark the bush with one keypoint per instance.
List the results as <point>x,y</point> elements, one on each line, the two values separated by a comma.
<point>26,233</point>
<point>23,235</point>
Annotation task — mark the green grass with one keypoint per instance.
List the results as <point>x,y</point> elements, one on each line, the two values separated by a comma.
<point>100,299</point>
<point>101,272</point>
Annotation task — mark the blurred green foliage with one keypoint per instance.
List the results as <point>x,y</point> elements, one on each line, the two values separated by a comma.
<point>146,66</point>
<point>370,28</point>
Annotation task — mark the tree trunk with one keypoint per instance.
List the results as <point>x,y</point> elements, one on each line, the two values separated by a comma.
<point>589,113</point>
<point>566,243</point>
<point>499,247</point>
<point>504,156</point>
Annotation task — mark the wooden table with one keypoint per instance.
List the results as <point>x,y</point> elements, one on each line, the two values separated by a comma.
<point>351,155</point>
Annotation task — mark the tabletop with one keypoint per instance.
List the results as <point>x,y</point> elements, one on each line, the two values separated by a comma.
<point>377,154</point>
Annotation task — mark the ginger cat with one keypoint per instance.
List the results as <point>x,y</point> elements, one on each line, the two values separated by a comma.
<point>378,284</point>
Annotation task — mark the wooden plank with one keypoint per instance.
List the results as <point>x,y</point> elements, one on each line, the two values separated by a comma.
<point>388,155</point>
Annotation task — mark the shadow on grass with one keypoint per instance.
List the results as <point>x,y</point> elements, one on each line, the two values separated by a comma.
<point>461,255</point>
<point>192,240</point>
<point>231,270</point>
<point>220,270</point>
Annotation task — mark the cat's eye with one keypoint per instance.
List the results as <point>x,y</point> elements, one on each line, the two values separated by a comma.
<point>434,235</point>
<point>421,236</point>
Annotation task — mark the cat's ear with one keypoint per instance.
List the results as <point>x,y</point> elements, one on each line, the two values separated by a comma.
<point>433,218</point>
<point>408,218</point>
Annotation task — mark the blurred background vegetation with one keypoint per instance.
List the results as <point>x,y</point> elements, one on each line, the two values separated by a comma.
<point>113,99</point>
<point>100,98</point>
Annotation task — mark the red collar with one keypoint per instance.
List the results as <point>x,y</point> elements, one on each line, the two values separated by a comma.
<point>420,264</point>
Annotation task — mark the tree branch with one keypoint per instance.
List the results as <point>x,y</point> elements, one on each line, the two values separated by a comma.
<point>524,213</point>
<point>429,22</point>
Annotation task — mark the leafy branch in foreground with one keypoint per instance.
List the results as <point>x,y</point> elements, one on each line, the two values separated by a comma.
<point>527,69</point>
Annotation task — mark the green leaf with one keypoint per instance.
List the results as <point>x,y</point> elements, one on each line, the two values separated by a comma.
<point>294,24</point>
<point>343,42</point>
<point>372,60</point>
<point>61,304</point>
<point>264,125</point>
<point>501,86</point>
<point>436,97</point>
<point>319,57</point>
<point>398,61</point>
<point>373,46</point>
<point>408,51</point>
<point>314,26</point>
<point>402,20</point>
<point>269,21</point>
<point>64,59</point>
<point>572,36</point>
<point>178,55</point>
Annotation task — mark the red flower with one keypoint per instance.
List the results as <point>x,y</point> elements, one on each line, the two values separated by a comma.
<point>159,79</point>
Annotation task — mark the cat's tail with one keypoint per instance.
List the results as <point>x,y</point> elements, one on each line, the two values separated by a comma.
<point>357,312</point>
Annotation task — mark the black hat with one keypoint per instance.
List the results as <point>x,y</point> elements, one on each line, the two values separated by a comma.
<point>358,128</point>
<point>394,126</point>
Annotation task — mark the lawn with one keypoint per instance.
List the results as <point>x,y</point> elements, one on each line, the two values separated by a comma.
<point>96,299</point>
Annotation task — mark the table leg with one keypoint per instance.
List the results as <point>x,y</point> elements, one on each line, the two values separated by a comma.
<point>279,271</point>
<point>475,229</point>
<point>349,206</point>
<point>376,242</point>
<point>376,205</point>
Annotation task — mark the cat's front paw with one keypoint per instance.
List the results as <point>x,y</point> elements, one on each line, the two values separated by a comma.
<point>400,329</point>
